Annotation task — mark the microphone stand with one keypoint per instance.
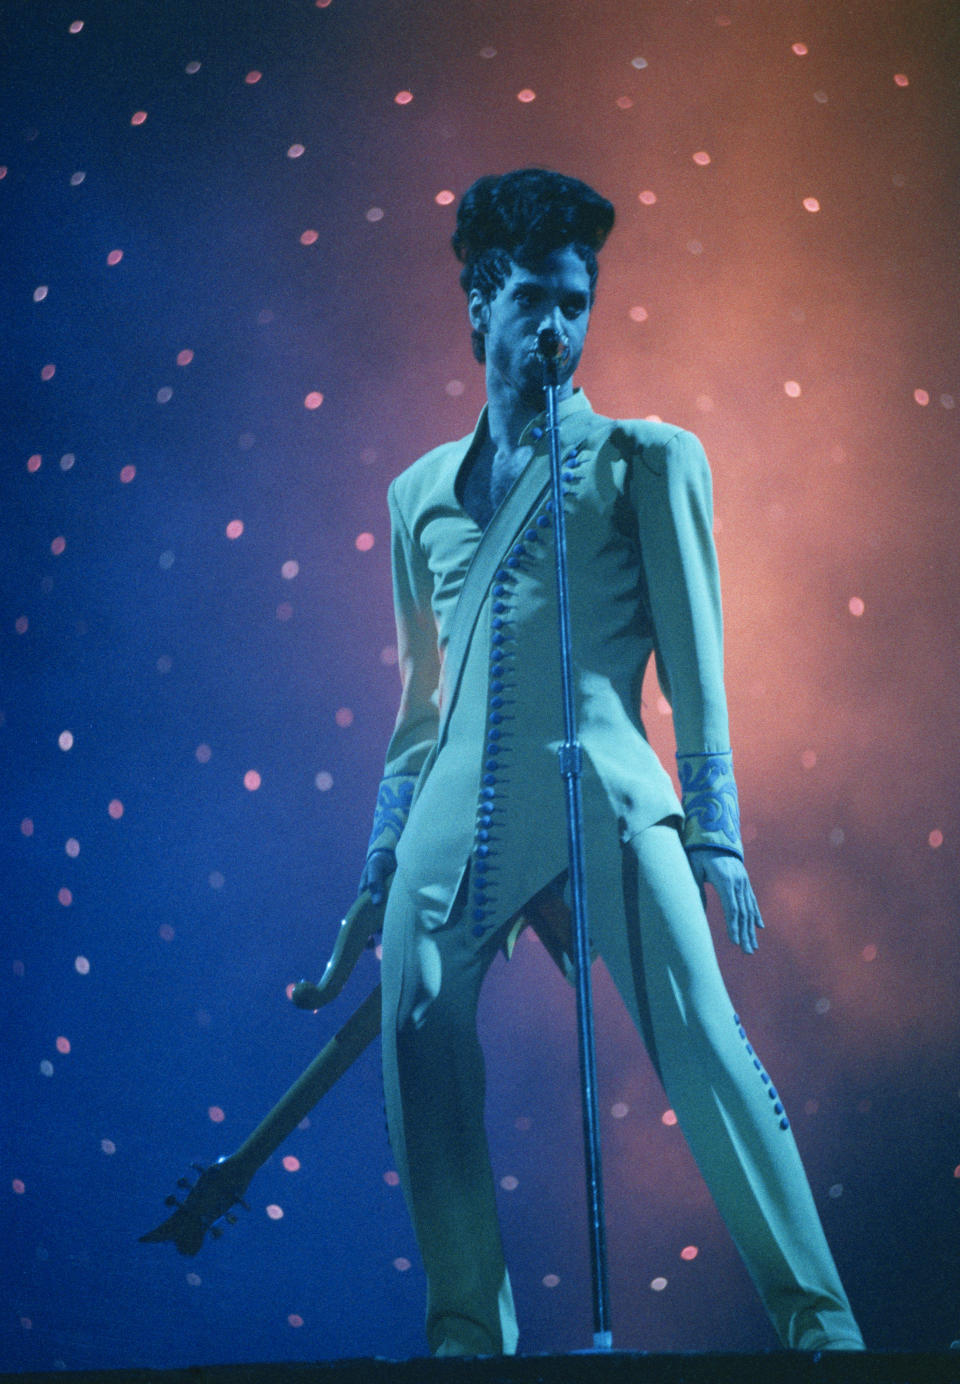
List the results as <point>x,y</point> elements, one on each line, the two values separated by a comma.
<point>550,347</point>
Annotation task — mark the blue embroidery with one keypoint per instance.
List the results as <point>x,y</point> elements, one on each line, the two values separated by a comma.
<point>710,795</point>
<point>393,807</point>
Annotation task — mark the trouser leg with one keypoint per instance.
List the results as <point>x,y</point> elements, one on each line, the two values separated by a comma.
<point>666,969</point>
<point>434,1088</point>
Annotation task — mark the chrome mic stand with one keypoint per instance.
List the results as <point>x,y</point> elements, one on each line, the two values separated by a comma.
<point>552,348</point>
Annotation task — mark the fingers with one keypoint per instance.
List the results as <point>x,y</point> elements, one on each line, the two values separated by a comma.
<point>380,865</point>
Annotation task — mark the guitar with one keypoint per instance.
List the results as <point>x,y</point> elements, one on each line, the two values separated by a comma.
<point>209,1203</point>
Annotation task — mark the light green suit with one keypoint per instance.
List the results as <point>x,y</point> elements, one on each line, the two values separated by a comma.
<point>472,801</point>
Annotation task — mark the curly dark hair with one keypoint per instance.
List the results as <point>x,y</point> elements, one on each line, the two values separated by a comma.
<point>519,218</point>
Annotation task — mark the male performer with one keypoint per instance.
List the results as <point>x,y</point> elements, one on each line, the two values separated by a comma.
<point>471,811</point>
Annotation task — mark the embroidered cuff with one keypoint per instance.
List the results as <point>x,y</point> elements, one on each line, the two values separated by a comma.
<point>710,806</point>
<point>391,812</point>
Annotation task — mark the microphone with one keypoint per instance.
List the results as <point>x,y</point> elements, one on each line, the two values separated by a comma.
<point>552,346</point>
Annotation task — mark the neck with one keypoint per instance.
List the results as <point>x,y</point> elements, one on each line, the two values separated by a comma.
<point>508,413</point>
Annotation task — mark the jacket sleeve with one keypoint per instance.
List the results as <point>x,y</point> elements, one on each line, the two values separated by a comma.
<point>674,504</point>
<point>417,723</point>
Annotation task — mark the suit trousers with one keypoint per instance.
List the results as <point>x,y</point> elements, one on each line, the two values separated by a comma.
<point>664,966</point>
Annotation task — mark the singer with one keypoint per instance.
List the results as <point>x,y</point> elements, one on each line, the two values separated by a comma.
<point>470,813</point>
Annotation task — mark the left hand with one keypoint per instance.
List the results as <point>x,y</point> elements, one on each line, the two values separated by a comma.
<point>728,876</point>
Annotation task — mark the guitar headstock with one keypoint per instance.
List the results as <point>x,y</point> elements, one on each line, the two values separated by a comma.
<point>207,1208</point>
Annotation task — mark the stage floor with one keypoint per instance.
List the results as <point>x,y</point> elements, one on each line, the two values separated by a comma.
<point>616,1367</point>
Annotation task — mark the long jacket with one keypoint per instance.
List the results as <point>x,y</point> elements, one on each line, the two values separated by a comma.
<point>471,775</point>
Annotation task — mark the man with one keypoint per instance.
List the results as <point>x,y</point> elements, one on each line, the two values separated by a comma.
<point>470,813</point>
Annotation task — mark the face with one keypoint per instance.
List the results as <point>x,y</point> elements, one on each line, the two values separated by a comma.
<point>555,293</point>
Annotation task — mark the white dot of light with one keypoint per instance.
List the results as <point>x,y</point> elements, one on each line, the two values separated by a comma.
<point>658,1284</point>
<point>701,157</point>
<point>34,463</point>
<point>76,179</point>
<point>184,357</point>
<point>811,204</point>
<point>647,197</point>
<point>164,395</point>
<point>669,1117</point>
<point>526,95</point>
<point>107,1146</point>
<point>82,966</point>
<point>289,570</point>
<point>234,529</point>
<point>792,389</point>
<point>26,826</point>
<point>488,52</point>
<point>40,293</point>
<point>836,1190</point>
<point>65,740</point>
<point>252,780</point>
<point>68,461</point>
<point>274,1211</point>
<point>638,313</point>
<point>291,1164</point>
<point>403,98</point>
<point>194,1280</point>
<point>313,400</point>
<point>509,1183</point>
<point>822,1005</point>
<point>114,257</point>
<point>58,546</point>
<point>72,847</point>
<point>856,606</point>
<point>216,880</point>
<point>935,839</point>
<point>695,247</point>
<point>374,213</point>
<point>76,26</point>
<point>800,49</point>
<point>401,1265</point>
<point>638,63</point>
<point>454,388</point>
<point>324,781</point>
<point>166,560</point>
<point>295,151</point>
<point>624,103</point>
<point>203,753</point>
<point>550,1280</point>
<point>444,197</point>
<point>48,372</point>
<point>138,118</point>
<point>166,933</point>
<point>46,1068</point>
<point>901,79</point>
<point>191,68</point>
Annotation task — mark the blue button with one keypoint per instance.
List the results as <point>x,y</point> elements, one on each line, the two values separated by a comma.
<point>543,520</point>
<point>482,851</point>
<point>536,433</point>
<point>764,1078</point>
<point>495,718</point>
<point>513,562</point>
<point>483,834</point>
<point>531,534</point>
<point>778,1109</point>
<point>487,793</point>
<point>784,1123</point>
<point>490,779</point>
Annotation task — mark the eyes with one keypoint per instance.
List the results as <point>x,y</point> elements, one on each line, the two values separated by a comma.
<point>572,305</point>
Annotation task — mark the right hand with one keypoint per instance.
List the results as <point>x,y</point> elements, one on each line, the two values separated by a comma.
<point>378,869</point>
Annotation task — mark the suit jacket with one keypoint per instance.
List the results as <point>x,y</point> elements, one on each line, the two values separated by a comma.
<point>471,771</point>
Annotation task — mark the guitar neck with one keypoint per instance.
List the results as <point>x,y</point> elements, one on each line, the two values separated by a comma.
<point>324,1071</point>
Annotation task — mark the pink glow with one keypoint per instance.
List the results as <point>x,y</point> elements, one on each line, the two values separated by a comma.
<point>689,1252</point>
<point>364,542</point>
<point>296,151</point>
<point>344,717</point>
<point>291,1164</point>
<point>127,474</point>
<point>550,1280</point>
<point>526,95</point>
<point>35,462</point>
<point>251,780</point>
<point>48,372</point>
<point>253,77</point>
<point>309,237</point>
<point>811,204</point>
<point>82,966</point>
<point>921,397</point>
<point>403,98</point>
<point>64,897</point>
<point>702,158</point>
<point>19,1186</point>
<point>668,1117</point>
<point>391,1178</point>
<point>295,1319</point>
<point>800,49</point>
<point>114,257</point>
<point>935,838</point>
<point>138,117</point>
<point>275,1212</point>
<point>63,1045</point>
<point>313,400</point>
<point>58,546</point>
<point>901,79</point>
<point>216,1114</point>
<point>647,197</point>
<point>234,529</point>
<point>26,826</point>
<point>444,198</point>
<point>184,357</point>
<point>401,1265</point>
<point>856,606</point>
